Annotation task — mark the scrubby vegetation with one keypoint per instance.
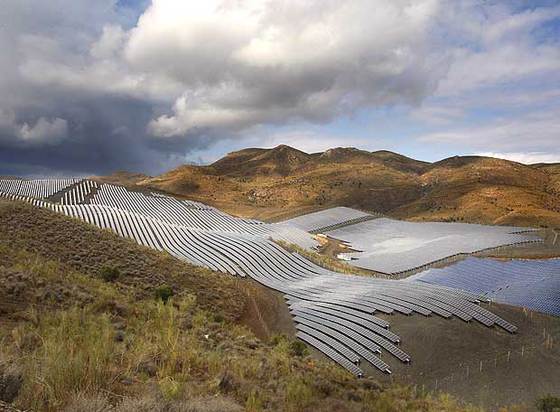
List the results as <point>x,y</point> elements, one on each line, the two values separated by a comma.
<point>147,355</point>
<point>92,251</point>
<point>71,341</point>
<point>164,293</point>
<point>109,274</point>
<point>549,403</point>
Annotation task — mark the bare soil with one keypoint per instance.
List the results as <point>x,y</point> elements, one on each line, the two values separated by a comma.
<point>266,313</point>
<point>484,366</point>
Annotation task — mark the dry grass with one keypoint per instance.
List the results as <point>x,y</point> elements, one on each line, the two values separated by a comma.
<point>179,356</point>
<point>74,352</point>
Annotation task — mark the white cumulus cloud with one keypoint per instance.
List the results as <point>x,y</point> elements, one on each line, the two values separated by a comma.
<point>250,62</point>
<point>526,158</point>
<point>180,76</point>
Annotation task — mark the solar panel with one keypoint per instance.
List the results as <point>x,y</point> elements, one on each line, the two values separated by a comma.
<point>313,222</point>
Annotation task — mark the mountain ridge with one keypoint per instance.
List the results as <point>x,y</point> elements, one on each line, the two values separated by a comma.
<point>284,181</point>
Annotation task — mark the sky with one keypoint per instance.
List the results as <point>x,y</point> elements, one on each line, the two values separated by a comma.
<point>91,87</point>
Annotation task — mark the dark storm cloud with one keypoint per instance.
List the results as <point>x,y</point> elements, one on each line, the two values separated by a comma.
<point>72,128</point>
<point>85,90</point>
<point>101,136</point>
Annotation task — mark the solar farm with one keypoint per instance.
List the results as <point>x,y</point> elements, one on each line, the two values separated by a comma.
<point>395,247</point>
<point>336,313</point>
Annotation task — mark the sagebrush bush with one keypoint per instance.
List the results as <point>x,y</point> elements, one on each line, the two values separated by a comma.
<point>298,395</point>
<point>163,293</point>
<point>298,348</point>
<point>109,274</point>
<point>276,338</point>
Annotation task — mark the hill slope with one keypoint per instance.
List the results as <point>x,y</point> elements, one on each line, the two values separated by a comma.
<point>74,339</point>
<point>279,182</point>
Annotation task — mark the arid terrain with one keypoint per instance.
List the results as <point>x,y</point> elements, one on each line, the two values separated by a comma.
<point>219,345</point>
<point>280,206</point>
<point>272,184</point>
<point>90,321</point>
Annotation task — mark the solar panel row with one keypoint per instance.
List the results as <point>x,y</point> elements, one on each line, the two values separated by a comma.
<point>38,188</point>
<point>318,221</point>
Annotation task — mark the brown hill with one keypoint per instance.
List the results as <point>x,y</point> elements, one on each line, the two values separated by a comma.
<point>553,169</point>
<point>487,190</point>
<point>281,160</point>
<point>122,177</point>
<point>283,181</point>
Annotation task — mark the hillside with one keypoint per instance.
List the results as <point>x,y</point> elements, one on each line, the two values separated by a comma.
<point>280,182</point>
<point>122,177</point>
<point>90,321</point>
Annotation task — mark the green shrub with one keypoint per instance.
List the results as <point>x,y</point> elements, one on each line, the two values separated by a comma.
<point>549,403</point>
<point>164,292</point>
<point>298,348</point>
<point>109,274</point>
<point>170,388</point>
<point>254,403</point>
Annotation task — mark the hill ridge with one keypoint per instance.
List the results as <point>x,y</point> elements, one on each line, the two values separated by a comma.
<point>283,181</point>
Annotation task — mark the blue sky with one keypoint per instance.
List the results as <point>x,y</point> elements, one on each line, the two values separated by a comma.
<point>93,87</point>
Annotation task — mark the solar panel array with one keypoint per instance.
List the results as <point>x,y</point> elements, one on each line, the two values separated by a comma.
<point>336,313</point>
<point>195,215</point>
<point>534,284</point>
<point>394,246</point>
<point>39,188</point>
<point>79,192</point>
<point>325,219</point>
